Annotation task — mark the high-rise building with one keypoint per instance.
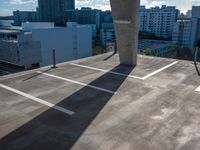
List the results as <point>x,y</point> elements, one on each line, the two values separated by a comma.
<point>70,4</point>
<point>106,16</point>
<point>195,37</point>
<point>84,15</point>
<point>107,36</point>
<point>189,14</point>
<point>182,32</point>
<point>107,32</point>
<point>106,20</point>
<point>158,21</point>
<point>24,16</point>
<point>187,31</point>
<point>53,10</point>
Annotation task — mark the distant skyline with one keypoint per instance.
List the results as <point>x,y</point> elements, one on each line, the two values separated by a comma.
<point>8,6</point>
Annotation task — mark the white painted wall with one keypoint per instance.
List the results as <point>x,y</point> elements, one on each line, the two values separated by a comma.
<point>8,52</point>
<point>29,26</point>
<point>23,51</point>
<point>30,51</point>
<point>84,41</point>
<point>64,40</point>
<point>93,28</point>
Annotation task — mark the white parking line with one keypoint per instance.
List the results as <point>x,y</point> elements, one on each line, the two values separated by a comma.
<point>130,76</point>
<point>159,70</point>
<point>198,89</point>
<point>66,111</point>
<point>79,83</point>
<point>106,71</point>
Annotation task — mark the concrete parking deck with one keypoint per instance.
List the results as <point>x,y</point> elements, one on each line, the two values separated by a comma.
<point>94,103</point>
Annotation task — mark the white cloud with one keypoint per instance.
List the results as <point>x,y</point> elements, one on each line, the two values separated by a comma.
<point>99,4</point>
<point>23,1</point>
<point>152,3</point>
<point>105,4</point>
<point>183,5</point>
<point>5,12</point>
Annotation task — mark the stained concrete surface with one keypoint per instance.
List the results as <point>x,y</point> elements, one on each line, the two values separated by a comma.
<point>159,113</point>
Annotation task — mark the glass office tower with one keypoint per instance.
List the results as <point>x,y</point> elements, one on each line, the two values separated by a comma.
<point>53,10</point>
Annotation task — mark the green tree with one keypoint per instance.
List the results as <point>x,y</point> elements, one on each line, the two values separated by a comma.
<point>149,51</point>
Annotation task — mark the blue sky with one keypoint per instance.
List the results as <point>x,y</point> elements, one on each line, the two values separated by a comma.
<point>7,6</point>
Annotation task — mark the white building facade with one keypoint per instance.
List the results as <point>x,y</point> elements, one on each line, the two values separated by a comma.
<point>158,21</point>
<point>70,43</point>
<point>107,36</point>
<point>182,33</point>
<point>195,37</point>
<point>189,14</point>
<point>84,16</point>
<point>187,32</point>
<point>18,48</point>
<point>34,44</point>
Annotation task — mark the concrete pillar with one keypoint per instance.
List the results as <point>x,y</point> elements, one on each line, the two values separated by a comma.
<point>126,19</point>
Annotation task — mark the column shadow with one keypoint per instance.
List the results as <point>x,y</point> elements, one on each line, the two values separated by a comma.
<point>197,69</point>
<point>54,130</point>
<point>35,75</point>
<point>105,59</point>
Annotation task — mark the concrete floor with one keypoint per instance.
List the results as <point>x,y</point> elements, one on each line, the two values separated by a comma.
<point>160,112</point>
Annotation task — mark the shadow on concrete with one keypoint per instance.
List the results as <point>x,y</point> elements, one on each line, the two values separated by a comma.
<point>35,75</point>
<point>197,69</point>
<point>53,130</point>
<point>109,56</point>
